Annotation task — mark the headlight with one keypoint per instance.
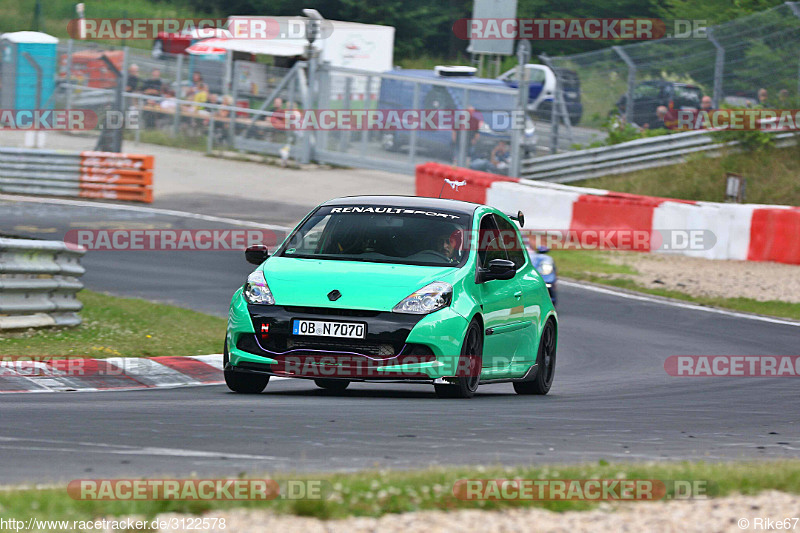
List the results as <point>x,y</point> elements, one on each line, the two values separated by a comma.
<point>546,266</point>
<point>428,299</point>
<point>256,290</point>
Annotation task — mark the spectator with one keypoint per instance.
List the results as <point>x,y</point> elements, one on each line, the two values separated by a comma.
<point>201,96</point>
<point>169,103</point>
<point>472,133</point>
<point>783,98</point>
<point>133,79</point>
<point>658,123</point>
<point>706,104</point>
<point>277,105</point>
<point>498,161</point>
<point>153,85</point>
<point>763,98</point>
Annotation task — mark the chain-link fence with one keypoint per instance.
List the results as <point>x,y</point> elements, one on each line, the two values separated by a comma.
<point>730,65</point>
<point>208,104</point>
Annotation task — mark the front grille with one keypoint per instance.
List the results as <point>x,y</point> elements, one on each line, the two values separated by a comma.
<point>331,312</point>
<point>345,345</point>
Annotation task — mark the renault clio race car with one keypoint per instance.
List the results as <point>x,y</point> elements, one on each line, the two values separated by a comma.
<point>392,288</point>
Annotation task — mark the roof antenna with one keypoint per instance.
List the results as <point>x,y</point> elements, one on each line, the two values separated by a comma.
<point>453,185</point>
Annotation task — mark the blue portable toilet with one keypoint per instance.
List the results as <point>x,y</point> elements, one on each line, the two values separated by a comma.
<point>23,53</point>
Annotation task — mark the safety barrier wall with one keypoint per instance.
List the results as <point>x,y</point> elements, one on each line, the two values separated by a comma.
<point>38,283</point>
<point>742,231</point>
<point>105,175</point>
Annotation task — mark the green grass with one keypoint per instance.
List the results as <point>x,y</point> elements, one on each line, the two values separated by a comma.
<point>376,493</point>
<point>595,266</point>
<point>131,327</point>
<point>772,178</point>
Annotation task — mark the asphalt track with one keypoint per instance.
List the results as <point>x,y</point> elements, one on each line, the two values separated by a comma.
<point>612,398</point>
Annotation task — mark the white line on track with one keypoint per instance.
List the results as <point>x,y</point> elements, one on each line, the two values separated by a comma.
<point>143,209</point>
<point>675,303</point>
<point>91,447</point>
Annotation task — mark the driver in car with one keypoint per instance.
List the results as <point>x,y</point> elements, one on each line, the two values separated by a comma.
<point>449,244</point>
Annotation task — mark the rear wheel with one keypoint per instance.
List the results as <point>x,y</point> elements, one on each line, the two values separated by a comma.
<point>242,382</point>
<point>390,142</point>
<point>334,385</point>
<point>469,366</point>
<point>546,364</point>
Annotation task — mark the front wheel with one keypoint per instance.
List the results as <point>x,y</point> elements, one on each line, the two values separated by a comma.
<point>468,374</point>
<point>546,364</point>
<point>242,382</point>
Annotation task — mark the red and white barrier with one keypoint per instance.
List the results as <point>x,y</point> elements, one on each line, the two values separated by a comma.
<point>743,231</point>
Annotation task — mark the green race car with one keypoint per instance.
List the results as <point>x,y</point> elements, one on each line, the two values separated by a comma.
<point>394,288</point>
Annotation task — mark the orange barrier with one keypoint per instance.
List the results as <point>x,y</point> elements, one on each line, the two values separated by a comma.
<point>117,176</point>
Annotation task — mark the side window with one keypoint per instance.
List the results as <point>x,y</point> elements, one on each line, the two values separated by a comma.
<point>536,75</point>
<point>489,245</point>
<point>509,239</point>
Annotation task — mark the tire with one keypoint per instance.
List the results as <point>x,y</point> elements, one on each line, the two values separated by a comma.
<point>546,361</point>
<point>470,364</point>
<point>242,382</point>
<point>333,385</point>
<point>158,50</point>
<point>390,142</point>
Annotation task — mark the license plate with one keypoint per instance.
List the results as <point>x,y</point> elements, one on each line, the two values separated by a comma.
<point>326,328</point>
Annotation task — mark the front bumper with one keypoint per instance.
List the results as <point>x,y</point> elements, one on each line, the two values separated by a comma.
<point>397,346</point>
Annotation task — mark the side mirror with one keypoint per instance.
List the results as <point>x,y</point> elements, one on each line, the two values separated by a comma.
<point>498,269</point>
<point>256,254</point>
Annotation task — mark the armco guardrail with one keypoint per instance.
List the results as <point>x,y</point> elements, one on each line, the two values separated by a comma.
<point>106,175</point>
<point>38,283</point>
<point>627,157</point>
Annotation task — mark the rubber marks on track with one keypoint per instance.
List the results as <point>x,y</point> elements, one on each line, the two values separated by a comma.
<point>117,373</point>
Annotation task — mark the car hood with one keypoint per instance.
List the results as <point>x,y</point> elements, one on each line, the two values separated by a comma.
<point>368,286</point>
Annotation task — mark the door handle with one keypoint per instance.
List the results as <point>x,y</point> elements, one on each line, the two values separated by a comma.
<point>518,294</point>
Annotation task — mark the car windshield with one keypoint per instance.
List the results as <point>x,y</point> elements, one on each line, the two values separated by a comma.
<point>382,234</point>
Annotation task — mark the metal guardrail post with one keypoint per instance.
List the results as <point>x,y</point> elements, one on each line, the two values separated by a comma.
<point>210,140</point>
<point>796,12</point>
<point>176,122</point>
<point>412,144</point>
<point>554,110</point>
<point>365,133</point>
<point>631,81</point>
<point>719,66</point>
<point>68,76</point>
<point>461,157</point>
<point>523,56</point>
<point>344,136</point>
